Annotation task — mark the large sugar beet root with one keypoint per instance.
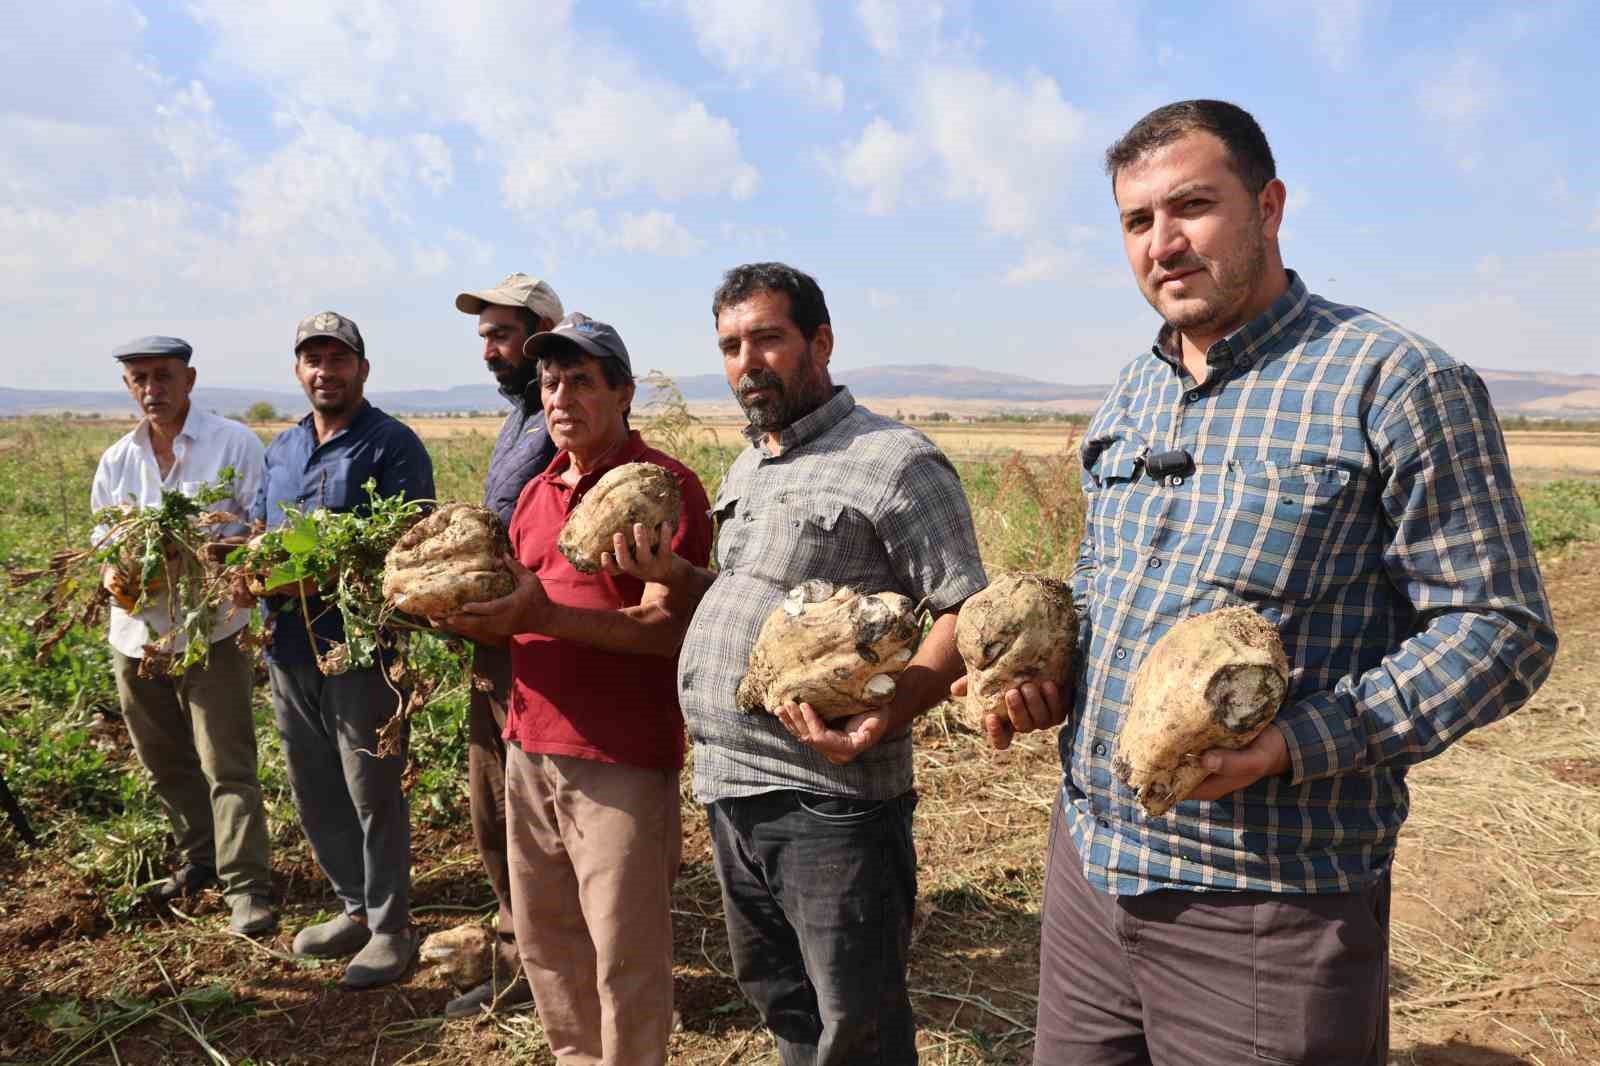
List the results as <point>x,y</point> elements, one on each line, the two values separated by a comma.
<point>464,954</point>
<point>837,650</point>
<point>1020,629</point>
<point>454,556</point>
<point>1214,681</point>
<point>633,492</point>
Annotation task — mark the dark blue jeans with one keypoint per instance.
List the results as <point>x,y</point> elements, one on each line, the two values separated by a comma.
<point>818,893</point>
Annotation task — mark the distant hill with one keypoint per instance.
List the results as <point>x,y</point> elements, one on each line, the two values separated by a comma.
<point>914,389</point>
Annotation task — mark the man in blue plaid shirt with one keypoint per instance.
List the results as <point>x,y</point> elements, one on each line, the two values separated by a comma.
<point>1348,480</point>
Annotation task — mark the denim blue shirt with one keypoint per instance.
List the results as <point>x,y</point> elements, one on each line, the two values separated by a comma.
<point>306,475</point>
<point>1350,483</point>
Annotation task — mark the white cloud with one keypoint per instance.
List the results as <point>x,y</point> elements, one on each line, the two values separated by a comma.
<point>1007,145</point>
<point>655,232</point>
<point>896,27</point>
<point>877,163</point>
<point>565,115</point>
<point>879,300</point>
<point>1462,93</point>
<point>1045,262</point>
<point>435,168</point>
<point>187,126</point>
<point>760,41</point>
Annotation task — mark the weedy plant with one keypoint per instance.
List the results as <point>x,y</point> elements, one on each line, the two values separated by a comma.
<point>157,557</point>
<point>336,558</point>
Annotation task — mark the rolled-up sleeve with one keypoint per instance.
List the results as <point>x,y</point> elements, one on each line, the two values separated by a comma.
<point>1460,553</point>
<point>926,529</point>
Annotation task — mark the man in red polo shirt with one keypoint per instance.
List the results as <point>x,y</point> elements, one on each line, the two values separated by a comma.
<point>595,735</point>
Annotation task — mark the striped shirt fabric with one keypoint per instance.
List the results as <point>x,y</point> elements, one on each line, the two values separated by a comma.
<point>1349,482</point>
<point>853,498</point>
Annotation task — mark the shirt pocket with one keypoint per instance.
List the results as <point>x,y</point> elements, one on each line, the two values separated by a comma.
<point>791,537</point>
<point>1278,527</point>
<point>1114,471</point>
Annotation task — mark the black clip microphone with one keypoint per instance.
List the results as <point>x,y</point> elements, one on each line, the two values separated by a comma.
<point>1169,463</point>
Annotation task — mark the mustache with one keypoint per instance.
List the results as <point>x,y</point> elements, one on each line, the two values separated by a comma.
<point>759,379</point>
<point>1176,266</point>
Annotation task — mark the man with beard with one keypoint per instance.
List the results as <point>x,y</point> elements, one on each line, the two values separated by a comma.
<point>352,807</point>
<point>1348,480</point>
<point>194,733</point>
<point>508,315</point>
<point>810,821</point>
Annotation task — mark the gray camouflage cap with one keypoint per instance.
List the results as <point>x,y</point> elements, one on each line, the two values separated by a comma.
<point>591,337</point>
<point>517,290</point>
<point>330,324</point>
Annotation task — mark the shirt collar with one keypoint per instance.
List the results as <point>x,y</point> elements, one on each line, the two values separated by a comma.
<point>1242,346</point>
<point>811,426</point>
<point>630,452</point>
<point>189,433</point>
<point>309,425</point>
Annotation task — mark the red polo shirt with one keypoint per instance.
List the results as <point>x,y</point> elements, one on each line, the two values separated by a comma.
<point>571,699</point>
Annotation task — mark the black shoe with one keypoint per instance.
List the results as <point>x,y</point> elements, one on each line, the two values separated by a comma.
<point>185,881</point>
<point>502,996</point>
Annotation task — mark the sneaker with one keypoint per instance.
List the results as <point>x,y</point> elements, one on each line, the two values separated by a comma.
<point>383,961</point>
<point>490,996</point>
<point>332,939</point>
<point>187,880</point>
<point>252,916</point>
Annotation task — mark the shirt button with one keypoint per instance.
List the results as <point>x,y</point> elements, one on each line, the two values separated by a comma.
<point>1175,481</point>
<point>1122,653</point>
<point>1155,564</point>
<point>1099,748</point>
<point>1192,397</point>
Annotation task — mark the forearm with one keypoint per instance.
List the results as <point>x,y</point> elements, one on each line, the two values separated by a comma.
<point>925,682</point>
<point>1464,670</point>
<point>648,629</point>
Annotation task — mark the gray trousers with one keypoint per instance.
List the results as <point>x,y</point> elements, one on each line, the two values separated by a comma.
<point>486,784</point>
<point>197,738</point>
<point>351,803</point>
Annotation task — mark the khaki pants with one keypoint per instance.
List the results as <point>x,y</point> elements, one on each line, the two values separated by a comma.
<point>594,848</point>
<point>196,736</point>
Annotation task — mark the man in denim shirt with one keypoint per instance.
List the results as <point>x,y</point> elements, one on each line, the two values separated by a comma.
<point>351,804</point>
<point>508,315</point>
<point>1348,480</point>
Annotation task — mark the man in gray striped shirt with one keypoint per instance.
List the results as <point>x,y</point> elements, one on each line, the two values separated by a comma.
<point>811,821</point>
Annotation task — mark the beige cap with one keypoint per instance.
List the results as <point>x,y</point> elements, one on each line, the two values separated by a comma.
<point>517,290</point>
<point>330,324</point>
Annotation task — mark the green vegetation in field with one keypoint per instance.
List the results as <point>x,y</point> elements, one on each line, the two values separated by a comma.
<point>1562,513</point>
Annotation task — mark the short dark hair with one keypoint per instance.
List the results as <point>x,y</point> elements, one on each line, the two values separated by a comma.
<point>807,308</point>
<point>1248,152</point>
<point>568,354</point>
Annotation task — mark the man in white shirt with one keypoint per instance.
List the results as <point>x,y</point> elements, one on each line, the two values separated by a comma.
<point>194,733</point>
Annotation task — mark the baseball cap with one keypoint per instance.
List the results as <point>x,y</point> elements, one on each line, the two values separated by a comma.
<point>330,324</point>
<point>594,338</point>
<point>153,345</point>
<point>517,290</point>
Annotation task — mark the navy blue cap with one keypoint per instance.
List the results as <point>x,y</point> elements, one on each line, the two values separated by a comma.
<point>595,338</point>
<point>148,346</point>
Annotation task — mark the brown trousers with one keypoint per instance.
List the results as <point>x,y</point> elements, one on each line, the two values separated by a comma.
<point>486,784</point>
<point>1209,978</point>
<point>594,850</point>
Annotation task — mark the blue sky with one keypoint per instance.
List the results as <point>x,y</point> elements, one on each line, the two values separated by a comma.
<point>219,168</point>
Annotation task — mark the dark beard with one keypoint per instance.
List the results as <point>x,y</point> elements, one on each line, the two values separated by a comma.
<point>782,409</point>
<point>515,385</point>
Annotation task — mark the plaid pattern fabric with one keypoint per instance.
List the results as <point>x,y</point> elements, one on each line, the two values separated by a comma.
<point>1350,483</point>
<point>852,497</point>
